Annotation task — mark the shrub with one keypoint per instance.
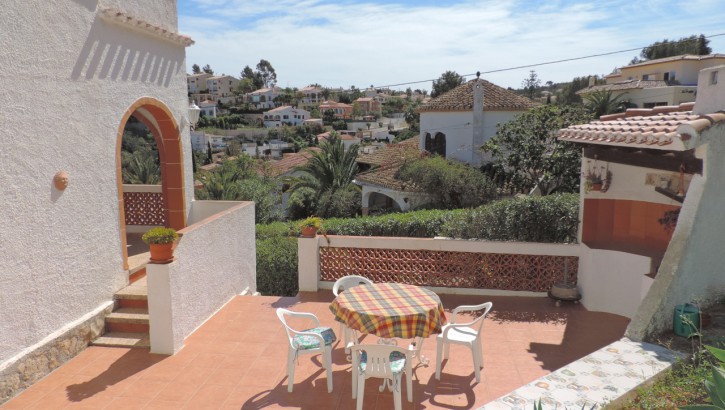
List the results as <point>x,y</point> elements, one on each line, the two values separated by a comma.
<point>416,224</point>
<point>452,185</point>
<point>274,229</point>
<point>160,236</point>
<point>277,266</point>
<point>552,219</point>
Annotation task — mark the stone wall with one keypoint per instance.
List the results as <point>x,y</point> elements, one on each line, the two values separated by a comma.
<point>42,360</point>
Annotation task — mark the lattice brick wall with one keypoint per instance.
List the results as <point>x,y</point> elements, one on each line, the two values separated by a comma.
<point>535,273</point>
<point>144,208</point>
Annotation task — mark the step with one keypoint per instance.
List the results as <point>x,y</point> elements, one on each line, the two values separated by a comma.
<point>128,320</point>
<point>134,295</point>
<point>121,339</point>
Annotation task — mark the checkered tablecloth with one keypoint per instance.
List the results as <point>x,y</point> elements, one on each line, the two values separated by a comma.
<point>390,310</point>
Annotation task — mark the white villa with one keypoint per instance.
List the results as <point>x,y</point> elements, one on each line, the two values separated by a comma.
<point>457,123</point>
<point>263,98</point>
<point>286,115</point>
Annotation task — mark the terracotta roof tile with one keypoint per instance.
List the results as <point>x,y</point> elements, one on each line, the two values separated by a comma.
<point>667,127</point>
<point>625,85</point>
<point>392,153</point>
<point>291,160</point>
<point>385,177</point>
<point>495,98</point>
<point>389,160</point>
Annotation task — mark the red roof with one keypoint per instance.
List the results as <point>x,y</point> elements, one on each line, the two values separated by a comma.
<point>666,128</point>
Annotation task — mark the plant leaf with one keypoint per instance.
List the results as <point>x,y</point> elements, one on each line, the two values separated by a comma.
<point>718,353</point>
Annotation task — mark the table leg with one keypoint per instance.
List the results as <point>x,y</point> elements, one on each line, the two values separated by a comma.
<point>417,348</point>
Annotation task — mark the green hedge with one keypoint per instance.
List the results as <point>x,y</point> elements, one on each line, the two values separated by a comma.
<point>549,219</point>
<point>417,224</point>
<point>277,266</point>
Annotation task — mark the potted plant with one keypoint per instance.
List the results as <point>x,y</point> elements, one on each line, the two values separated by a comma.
<point>161,244</point>
<point>593,181</point>
<point>310,226</point>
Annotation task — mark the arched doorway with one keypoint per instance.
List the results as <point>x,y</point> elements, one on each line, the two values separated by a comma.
<point>161,123</point>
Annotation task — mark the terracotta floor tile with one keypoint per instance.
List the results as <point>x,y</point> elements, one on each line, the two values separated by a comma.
<point>237,360</point>
<point>209,397</point>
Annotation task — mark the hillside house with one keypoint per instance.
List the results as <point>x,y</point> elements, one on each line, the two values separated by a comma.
<point>286,115</point>
<point>196,83</point>
<point>223,88</point>
<point>662,82</point>
<point>342,111</point>
<point>263,98</point>
<point>456,124</point>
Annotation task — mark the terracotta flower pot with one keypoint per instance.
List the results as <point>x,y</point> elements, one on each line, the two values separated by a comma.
<point>309,232</point>
<point>161,252</point>
<point>597,186</point>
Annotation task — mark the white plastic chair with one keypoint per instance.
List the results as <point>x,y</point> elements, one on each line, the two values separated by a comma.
<point>385,362</point>
<point>308,341</point>
<point>466,334</point>
<point>340,285</point>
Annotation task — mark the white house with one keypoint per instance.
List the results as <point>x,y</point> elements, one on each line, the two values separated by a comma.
<point>264,97</point>
<point>460,121</point>
<point>66,211</point>
<point>286,115</point>
<point>208,108</point>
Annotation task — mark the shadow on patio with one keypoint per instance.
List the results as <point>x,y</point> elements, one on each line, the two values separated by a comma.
<point>237,360</point>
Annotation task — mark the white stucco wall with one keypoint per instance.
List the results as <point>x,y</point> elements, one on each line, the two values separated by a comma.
<point>692,268</point>
<point>458,128</point>
<point>674,95</point>
<point>611,281</point>
<point>628,182</point>
<point>61,251</point>
<point>215,260</point>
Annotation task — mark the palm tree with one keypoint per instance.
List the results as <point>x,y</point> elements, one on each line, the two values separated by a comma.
<point>329,170</point>
<point>601,102</point>
<point>142,169</point>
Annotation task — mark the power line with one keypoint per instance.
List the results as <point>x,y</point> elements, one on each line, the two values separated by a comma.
<point>544,63</point>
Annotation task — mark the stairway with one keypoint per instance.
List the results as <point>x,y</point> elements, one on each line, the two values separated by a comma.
<point>128,324</point>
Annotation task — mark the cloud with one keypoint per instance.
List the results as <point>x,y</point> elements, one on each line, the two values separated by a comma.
<point>344,43</point>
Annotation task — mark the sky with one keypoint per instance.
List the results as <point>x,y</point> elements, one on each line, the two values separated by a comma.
<point>344,43</point>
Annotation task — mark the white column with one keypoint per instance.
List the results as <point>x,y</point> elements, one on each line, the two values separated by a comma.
<point>308,257</point>
<point>161,323</point>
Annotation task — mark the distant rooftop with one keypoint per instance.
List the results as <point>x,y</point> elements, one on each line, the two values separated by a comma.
<point>495,98</point>
<point>625,85</point>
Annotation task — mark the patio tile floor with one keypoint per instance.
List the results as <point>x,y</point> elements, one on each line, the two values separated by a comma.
<point>237,360</point>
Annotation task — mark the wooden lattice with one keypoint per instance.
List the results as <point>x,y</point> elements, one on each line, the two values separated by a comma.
<point>144,208</point>
<point>536,273</point>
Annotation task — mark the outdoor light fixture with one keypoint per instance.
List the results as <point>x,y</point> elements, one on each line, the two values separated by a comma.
<point>194,112</point>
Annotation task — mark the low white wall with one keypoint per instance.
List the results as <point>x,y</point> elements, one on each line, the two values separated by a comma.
<point>309,259</point>
<point>611,281</point>
<point>201,210</point>
<point>215,260</point>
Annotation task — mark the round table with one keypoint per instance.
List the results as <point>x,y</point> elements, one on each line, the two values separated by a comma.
<point>390,310</point>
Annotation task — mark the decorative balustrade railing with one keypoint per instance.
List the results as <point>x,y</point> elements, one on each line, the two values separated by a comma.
<point>440,263</point>
<point>143,205</point>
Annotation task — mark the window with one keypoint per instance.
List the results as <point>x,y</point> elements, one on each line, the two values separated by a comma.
<point>669,76</point>
<point>645,77</point>
<point>286,117</point>
<point>713,77</point>
<point>438,145</point>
